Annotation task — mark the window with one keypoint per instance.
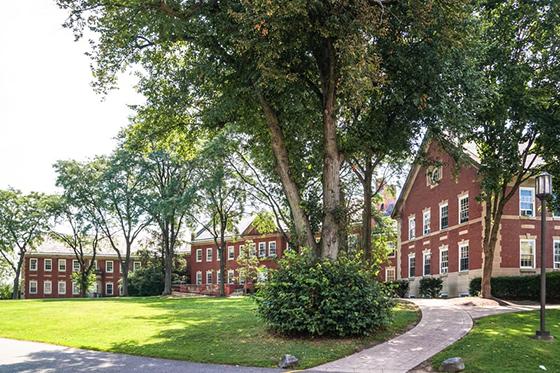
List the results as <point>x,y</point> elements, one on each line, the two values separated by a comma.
<point>198,278</point>
<point>48,265</point>
<point>136,265</point>
<point>463,209</point>
<point>109,288</point>
<point>390,274</point>
<point>426,220</point>
<point>75,265</point>
<point>198,255</point>
<point>443,260</point>
<point>209,254</point>
<point>411,228</point>
<point>96,265</point>
<point>262,249</point>
<point>252,251</point>
<point>109,266</point>
<point>411,266</point>
<point>443,216</point>
<point>33,287</point>
<point>272,248</point>
<point>427,261</point>
<point>208,277</point>
<point>218,254</point>
<point>434,175</point>
<point>62,288</point>
<point>527,253</point>
<point>556,254</point>
<point>527,202</point>
<point>75,288</point>
<point>392,249</point>
<point>241,280</point>
<point>33,264</point>
<point>463,257</point>
<point>231,252</point>
<point>230,276</point>
<point>47,287</point>
<point>241,249</point>
<point>218,276</point>
<point>61,265</point>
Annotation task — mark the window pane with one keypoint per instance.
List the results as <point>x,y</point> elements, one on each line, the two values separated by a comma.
<point>444,217</point>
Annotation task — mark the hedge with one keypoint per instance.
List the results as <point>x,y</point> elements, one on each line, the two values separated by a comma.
<point>520,287</point>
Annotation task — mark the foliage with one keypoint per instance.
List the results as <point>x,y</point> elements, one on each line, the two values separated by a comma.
<point>248,264</point>
<point>494,342</point>
<point>339,297</point>
<point>264,222</point>
<point>85,284</point>
<point>399,287</point>
<point>6,291</point>
<point>520,287</point>
<point>146,281</point>
<point>179,329</point>
<point>430,287</point>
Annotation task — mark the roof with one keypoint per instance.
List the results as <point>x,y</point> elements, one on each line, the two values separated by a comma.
<point>240,229</point>
<point>54,247</point>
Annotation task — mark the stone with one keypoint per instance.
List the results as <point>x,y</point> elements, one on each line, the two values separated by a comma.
<point>454,364</point>
<point>288,361</point>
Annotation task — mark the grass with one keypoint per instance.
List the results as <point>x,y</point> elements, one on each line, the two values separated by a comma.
<point>502,344</point>
<point>209,330</point>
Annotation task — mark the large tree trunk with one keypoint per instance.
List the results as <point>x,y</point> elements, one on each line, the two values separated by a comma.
<point>124,272</point>
<point>305,235</point>
<point>494,211</point>
<point>167,262</point>
<point>221,253</point>
<point>366,211</point>
<point>15,293</point>
<point>331,157</point>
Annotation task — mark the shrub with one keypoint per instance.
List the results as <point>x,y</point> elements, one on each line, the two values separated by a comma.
<point>323,297</point>
<point>520,287</point>
<point>430,287</point>
<point>399,288</point>
<point>6,291</point>
<point>146,281</point>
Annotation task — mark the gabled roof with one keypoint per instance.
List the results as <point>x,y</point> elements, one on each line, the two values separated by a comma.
<point>244,227</point>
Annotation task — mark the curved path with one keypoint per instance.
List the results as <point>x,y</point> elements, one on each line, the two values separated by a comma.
<point>441,325</point>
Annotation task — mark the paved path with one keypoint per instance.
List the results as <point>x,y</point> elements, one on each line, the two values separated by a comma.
<point>22,356</point>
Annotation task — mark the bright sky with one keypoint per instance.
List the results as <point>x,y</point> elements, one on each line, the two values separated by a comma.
<point>48,110</point>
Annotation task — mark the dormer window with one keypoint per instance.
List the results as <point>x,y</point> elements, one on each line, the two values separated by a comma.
<point>434,175</point>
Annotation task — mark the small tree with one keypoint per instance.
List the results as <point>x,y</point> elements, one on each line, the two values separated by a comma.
<point>248,265</point>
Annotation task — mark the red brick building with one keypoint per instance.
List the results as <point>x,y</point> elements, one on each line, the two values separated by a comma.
<point>47,273</point>
<point>441,222</point>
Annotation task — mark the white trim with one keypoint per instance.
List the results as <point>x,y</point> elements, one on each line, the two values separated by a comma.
<point>461,245</point>
<point>75,265</point>
<point>32,282</point>
<point>75,288</point>
<point>424,255</point>
<point>262,249</point>
<point>394,277</point>
<point>45,287</point>
<point>272,244</point>
<point>208,273</point>
<point>411,256</point>
<point>198,278</point>
<point>532,190</point>
<point>62,290</point>
<point>392,247</point>
<point>209,255</point>
<point>61,261</point>
<point>230,276</point>
<point>426,228</point>
<point>136,265</point>
<point>33,260</point>
<point>411,227</point>
<point>107,288</point>
<point>441,206</point>
<point>556,263</point>
<point>231,252</point>
<point>45,261</point>
<point>441,250</point>
<point>198,257</point>
<point>107,266</point>
<point>534,245</point>
<point>459,199</point>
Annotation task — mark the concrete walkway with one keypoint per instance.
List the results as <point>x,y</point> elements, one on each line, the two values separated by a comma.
<point>23,356</point>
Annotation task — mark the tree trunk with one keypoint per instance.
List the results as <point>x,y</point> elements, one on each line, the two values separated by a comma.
<point>222,268</point>
<point>344,225</point>
<point>124,274</point>
<point>83,281</point>
<point>366,212</point>
<point>168,272</point>
<point>305,235</point>
<point>493,220</point>
<point>15,293</point>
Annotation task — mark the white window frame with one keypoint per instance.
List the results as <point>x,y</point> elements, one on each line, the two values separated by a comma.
<point>412,227</point>
<point>199,255</point>
<point>441,227</point>
<point>443,270</point>
<point>252,251</point>
<point>136,265</point>
<point>209,255</point>
<point>63,262</point>
<point>218,279</point>
<point>231,252</point>
<point>413,256</point>
<point>534,244</point>
<point>262,249</point>
<point>45,287</point>
<point>96,265</point>
<point>107,288</point>
<point>63,290</point>
<point>107,266</point>
<point>533,198</point>
<point>209,273</point>
<point>31,283</point>
<point>35,266</point>
<point>230,276</point>
<point>424,256</point>
<point>460,199</point>
<point>272,249</point>
<point>75,288</point>
<point>199,277</point>
<point>426,222</point>
<point>393,277</point>
<point>241,249</point>
<point>45,261</point>
<point>75,265</point>
<point>555,256</point>
<point>462,245</point>
<point>392,248</point>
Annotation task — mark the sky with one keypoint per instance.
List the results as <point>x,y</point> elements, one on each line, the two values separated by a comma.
<point>48,109</point>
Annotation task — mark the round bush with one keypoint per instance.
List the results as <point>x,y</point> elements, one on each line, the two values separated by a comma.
<point>323,297</point>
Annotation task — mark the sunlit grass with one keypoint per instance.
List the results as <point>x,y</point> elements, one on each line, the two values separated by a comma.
<point>209,330</point>
<point>503,343</point>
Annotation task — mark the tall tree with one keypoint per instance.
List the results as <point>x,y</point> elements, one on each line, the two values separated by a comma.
<point>286,69</point>
<point>517,57</point>
<point>24,220</point>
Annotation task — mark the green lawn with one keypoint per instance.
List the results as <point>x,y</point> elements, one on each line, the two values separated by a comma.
<point>209,330</point>
<point>503,344</point>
